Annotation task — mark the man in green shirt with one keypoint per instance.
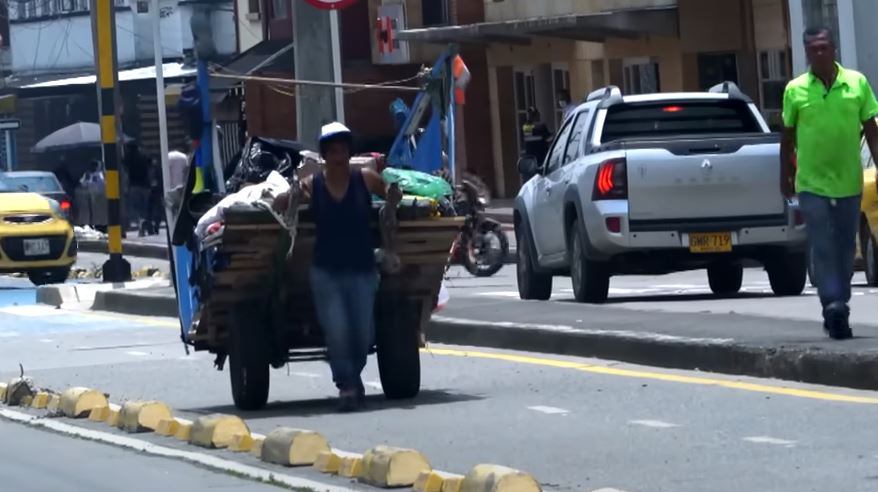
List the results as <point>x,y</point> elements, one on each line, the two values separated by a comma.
<point>825,113</point>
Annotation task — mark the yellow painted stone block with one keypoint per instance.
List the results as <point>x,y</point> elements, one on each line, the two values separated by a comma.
<point>143,416</point>
<point>113,415</point>
<point>429,481</point>
<point>293,447</point>
<point>328,462</point>
<point>496,478</point>
<point>3,387</point>
<point>452,484</point>
<point>217,431</point>
<point>243,442</point>
<point>256,450</point>
<point>184,430</point>
<point>78,402</point>
<point>385,466</point>
<point>99,414</point>
<point>41,400</point>
<point>351,467</point>
<point>54,402</point>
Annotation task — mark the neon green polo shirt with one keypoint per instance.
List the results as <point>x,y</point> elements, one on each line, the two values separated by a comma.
<point>828,126</point>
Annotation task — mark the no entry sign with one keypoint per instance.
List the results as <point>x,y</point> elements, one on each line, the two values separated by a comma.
<point>331,4</point>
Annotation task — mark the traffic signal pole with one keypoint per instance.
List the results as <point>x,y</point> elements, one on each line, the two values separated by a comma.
<point>116,269</point>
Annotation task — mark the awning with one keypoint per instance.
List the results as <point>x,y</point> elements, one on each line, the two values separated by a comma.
<point>169,71</point>
<point>596,27</point>
<point>271,55</point>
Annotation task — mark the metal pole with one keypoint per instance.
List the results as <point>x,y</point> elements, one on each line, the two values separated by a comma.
<point>334,30</point>
<point>116,269</point>
<point>158,56</point>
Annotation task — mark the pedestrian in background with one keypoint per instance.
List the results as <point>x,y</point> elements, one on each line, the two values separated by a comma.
<point>536,135</point>
<point>825,113</point>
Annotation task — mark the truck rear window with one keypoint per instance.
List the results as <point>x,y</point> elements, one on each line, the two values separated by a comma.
<point>666,118</point>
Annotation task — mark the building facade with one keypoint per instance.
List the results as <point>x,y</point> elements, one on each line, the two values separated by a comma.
<point>56,36</point>
<point>852,22</point>
<point>537,50</point>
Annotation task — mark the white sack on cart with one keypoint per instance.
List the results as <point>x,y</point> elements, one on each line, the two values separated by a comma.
<point>261,193</point>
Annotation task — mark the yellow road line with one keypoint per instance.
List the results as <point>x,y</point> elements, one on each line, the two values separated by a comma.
<point>658,376</point>
<point>590,368</point>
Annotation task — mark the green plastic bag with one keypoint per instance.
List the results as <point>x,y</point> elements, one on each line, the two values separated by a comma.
<point>418,183</point>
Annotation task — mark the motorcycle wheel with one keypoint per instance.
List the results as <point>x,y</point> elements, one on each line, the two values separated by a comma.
<point>474,262</point>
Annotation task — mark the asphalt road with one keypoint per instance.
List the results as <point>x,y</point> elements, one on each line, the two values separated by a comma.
<point>32,460</point>
<point>576,424</point>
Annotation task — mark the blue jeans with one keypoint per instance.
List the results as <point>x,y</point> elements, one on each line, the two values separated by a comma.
<point>832,236</point>
<point>345,304</point>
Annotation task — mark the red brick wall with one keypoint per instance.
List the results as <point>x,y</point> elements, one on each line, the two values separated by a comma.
<point>467,11</point>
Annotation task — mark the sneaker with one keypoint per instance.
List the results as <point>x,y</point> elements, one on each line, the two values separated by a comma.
<point>348,401</point>
<point>836,322</point>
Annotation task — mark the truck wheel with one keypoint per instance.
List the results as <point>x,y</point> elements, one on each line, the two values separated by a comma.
<point>531,285</point>
<point>591,280</point>
<point>248,360</point>
<point>870,255</point>
<point>788,273</point>
<point>725,279</point>
<point>49,276</point>
<point>397,333</point>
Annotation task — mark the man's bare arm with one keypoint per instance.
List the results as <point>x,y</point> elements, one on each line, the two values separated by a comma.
<point>787,167</point>
<point>377,186</point>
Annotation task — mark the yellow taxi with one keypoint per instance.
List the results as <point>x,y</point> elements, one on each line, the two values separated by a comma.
<point>867,250</point>
<point>35,237</point>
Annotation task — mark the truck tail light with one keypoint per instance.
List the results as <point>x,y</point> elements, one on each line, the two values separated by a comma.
<point>611,181</point>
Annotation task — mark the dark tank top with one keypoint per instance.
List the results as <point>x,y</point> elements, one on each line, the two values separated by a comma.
<point>344,240</point>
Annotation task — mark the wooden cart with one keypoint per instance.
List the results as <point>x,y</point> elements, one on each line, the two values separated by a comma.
<point>256,307</point>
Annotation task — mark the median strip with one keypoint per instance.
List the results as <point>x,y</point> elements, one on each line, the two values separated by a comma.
<point>381,466</point>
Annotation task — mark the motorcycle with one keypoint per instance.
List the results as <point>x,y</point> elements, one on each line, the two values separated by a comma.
<point>482,246</point>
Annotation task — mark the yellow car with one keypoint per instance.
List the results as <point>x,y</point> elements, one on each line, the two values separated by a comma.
<point>867,249</point>
<point>35,237</point>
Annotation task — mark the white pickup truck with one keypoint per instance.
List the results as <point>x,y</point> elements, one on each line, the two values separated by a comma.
<point>654,184</point>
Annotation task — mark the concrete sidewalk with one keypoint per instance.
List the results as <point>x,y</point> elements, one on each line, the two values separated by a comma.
<point>727,343</point>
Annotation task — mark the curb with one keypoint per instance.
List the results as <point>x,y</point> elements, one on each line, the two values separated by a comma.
<point>57,295</point>
<point>160,251</point>
<point>138,250</point>
<point>136,303</point>
<point>812,366</point>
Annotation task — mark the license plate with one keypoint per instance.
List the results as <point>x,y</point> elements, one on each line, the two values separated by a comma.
<point>710,242</point>
<point>36,247</point>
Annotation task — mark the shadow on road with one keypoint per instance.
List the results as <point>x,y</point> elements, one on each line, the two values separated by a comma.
<point>325,406</point>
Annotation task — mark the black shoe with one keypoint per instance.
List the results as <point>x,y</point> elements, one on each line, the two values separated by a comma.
<point>836,322</point>
<point>348,401</point>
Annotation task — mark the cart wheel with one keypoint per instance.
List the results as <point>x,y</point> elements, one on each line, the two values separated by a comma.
<point>248,360</point>
<point>399,357</point>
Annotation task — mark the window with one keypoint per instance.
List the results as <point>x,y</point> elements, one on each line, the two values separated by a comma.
<point>576,136</point>
<point>678,118</point>
<point>556,155</point>
<point>716,68</point>
<point>30,10</point>
<point>279,9</point>
<point>773,76</point>
<point>434,12</point>
<point>525,97</point>
<point>560,85</point>
<point>819,13</point>
<point>254,6</point>
<point>83,5</point>
<point>640,76</point>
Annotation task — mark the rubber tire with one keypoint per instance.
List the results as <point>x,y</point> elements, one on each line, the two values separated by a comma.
<point>591,280</point>
<point>788,274</point>
<point>49,276</point>
<point>532,286</point>
<point>397,333</point>
<point>504,252</point>
<point>248,360</point>
<point>870,256</point>
<point>725,279</point>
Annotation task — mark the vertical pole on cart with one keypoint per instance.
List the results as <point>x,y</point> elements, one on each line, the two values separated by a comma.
<point>116,269</point>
